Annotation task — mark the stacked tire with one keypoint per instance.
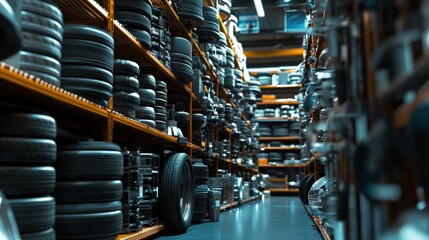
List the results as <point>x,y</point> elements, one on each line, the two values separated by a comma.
<point>11,27</point>
<point>191,13</point>
<point>183,120</point>
<point>125,87</point>
<point>209,31</point>
<point>87,63</point>
<point>161,37</point>
<point>176,192</point>
<point>27,151</point>
<point>264,78</point>
<point>201,173</point>
<point>145,113</point>
<point>198,122</point>
<point>181,59</point>
<point>42,37</point>
<point>161,105</point>
<point>136,16</point>
<point>89,191</point>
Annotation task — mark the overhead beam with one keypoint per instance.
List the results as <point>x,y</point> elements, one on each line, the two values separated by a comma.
<point>292,52</point>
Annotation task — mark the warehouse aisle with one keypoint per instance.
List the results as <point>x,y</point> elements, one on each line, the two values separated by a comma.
<point>271,218</point>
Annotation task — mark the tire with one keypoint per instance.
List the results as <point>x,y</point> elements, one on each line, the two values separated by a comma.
<point>55,81</point>
<point>177,170</point>
<point>101,225</point>
<point>161,125</point>
<point>125,99</point>
<point>198,118</point>
<point>27,150</point>
<point>88,191</point>
<point>160,117</point>
<point>147,97</point>
<point>42,60</point>
<point>42,235</point>
<point>161,102</point>
<point>83,71</point>
<point>28,125</point>
<point>43,9</point>
<point>201,173</point>
<point>89,33</point>
<point>161,86</point>
<point>198,217</point>
<point>126,67</point>
<point>181,45</point>
<point>95,145</point>
<point>182,116</point>
<point>125,83</point>
<point>40,70</point>
<point>183,71</point>
<point>24,181</point>
<point>142,36</point>
<point>160,109</point>
<point>78,208</point>
<point>143,112</point>
<point>71,82</point>
<point>98,96</point>
<point>41,44</point>
<point>10,28</point>
<point>147,81</point>
<point>33,214</point>
<point>161,95</point>
<point>89,165</point>
<point>86,52</point>
<point>201,198</point>
<point>149,123</point>
<point>141,6</point>
<point>129,112</point>
<point>133,19</point>
<point>34,23</point>
<point>179,57</point>
<point>306,188</point>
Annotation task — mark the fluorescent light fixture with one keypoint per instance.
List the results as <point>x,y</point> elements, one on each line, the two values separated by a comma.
<point>259,8</point>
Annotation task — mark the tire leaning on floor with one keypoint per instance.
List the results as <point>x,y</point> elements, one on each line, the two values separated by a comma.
<point>177,192</point>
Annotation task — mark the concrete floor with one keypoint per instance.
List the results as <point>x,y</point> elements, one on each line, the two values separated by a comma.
<point>272,218</point>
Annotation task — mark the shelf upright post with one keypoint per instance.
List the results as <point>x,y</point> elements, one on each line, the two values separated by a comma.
<point>109,128</point>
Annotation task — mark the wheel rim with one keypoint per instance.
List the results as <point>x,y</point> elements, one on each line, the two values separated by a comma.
<point>185,193</point>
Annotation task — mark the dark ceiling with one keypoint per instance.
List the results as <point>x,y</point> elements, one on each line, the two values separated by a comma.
<point>271,36</point>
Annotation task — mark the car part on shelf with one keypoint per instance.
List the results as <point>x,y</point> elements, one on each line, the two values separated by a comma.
<point>177,192</point>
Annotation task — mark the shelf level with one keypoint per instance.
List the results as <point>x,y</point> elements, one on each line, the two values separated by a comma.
<point>277,119</point>
<point>281,87</point>
<point>277,102</point>
<point>230,44</point>
<point>281,165</point>
<point>279,138</point>
<point>146,232</point>
<point>279,148</point>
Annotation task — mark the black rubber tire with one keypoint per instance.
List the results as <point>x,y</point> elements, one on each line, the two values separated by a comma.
<point>91,94</point>
<point>126,67</point>
<point>198,118</point>
<point>125,83</point>
<point>27,150</point>
<point>147,97</point>
<point>179,57</point>
<point>89,33</point>
<point>87,52</point>
<point>71,82</point>
<point>301,187</point>
<point>161,102</point>
<point>41,44</point>
<point>183,71</point>
<point>191,20</point>
<point>78,208</point>
<point>201,173</point>
<point>52,64</point>
<point>198,217</point>
<point>141,6</point>
<point>33,214</point>
<point>125,99</point>
<point>133,19</point>
<point>210,13</point>
<point>34,23</point>
<point>24,181</point>
<point>28,125</point>
<point>142,36</point>
<point>149,123</point>
<point>147,81</point>
<point>101,225</point>
<point>160,109</point>
<point>88,191</point>
<point>201,198</point>
<point>42,235</point>
<point>182,116</point>
<point>306,188</point>
<point>43,9</point>
<point>181,45</point>
<point>126,111</point>
<point>161,117</point>
<point>161,86</point>
<point>161,95</point>
<point>171,181</point>
<point>144,112</point>
<point>9,27</point>
<point>89,165</point>
<point>46,73</point>
<point>95,145</point>
<point>83,71</point>
<point>161,125</point>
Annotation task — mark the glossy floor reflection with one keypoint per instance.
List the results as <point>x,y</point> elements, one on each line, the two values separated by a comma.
<point>271,218</point>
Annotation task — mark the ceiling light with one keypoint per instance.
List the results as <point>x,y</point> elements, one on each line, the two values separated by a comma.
<point>259,8</point>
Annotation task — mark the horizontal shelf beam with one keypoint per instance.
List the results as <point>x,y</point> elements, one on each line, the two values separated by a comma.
<point>281,87</point>
<point>292,52</point>
<point>279,138</point>
<point>277,102</point>
<point>281,165</point>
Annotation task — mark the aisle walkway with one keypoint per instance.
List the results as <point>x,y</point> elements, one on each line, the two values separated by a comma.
<point>272,218</point>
